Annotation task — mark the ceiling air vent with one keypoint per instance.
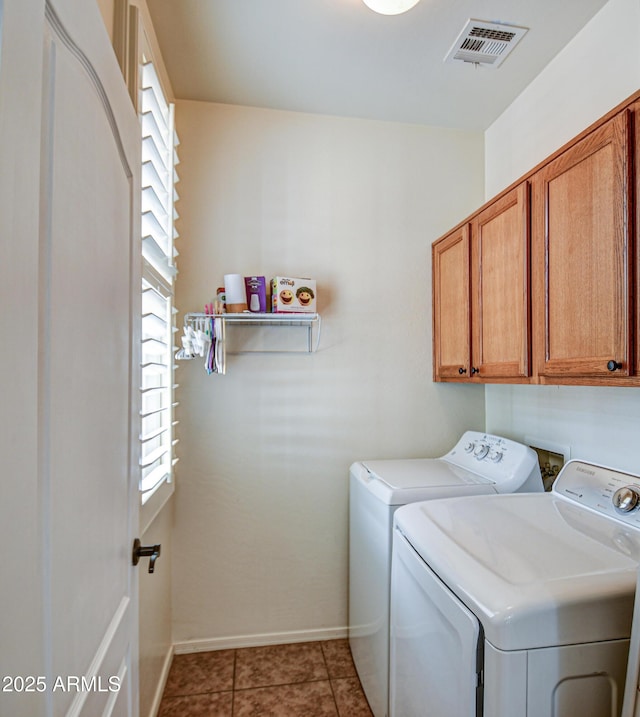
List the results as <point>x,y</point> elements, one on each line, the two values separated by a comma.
<point>485,43</point>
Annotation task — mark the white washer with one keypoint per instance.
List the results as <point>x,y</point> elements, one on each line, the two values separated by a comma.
<point>478,464</point>
<point>516,605</point>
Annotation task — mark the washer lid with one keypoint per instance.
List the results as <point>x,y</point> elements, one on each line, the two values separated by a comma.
<point>535,569</point>
<point>401,481</point>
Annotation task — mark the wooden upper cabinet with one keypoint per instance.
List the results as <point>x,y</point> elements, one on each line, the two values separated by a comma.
<point>500,287</point>
<point>451,306</point>
<point>542,284</point>
<point>481,294</point>
<point>635,117</point>
<point>581,261</point>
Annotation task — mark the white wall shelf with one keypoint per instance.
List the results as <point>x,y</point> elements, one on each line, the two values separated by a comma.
<point>312,322</point>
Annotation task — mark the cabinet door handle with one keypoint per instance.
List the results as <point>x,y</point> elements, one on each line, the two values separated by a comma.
<point>614,365</point>
<point>474,370</point>
<point>462,370</point>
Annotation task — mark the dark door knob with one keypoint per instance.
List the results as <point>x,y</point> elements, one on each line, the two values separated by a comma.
<point>462,371</point>
<point>474,370</point>
<point>145,551</point>
<point>614,365</point>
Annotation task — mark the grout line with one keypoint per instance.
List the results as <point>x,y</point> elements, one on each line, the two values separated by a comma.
<point>333,694</point>
<point>277,684</point>
<point>195,694</point>
<point>233,683</point>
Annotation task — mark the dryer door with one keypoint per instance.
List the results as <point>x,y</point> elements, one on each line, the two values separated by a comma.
<point>435,643</point>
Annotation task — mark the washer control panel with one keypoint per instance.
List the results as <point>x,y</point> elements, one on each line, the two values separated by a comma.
<point>605,490</point>
<point>490,447</point>
<point>505,462</point>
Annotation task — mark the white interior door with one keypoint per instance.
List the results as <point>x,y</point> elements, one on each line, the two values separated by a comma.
<point>81,422</point>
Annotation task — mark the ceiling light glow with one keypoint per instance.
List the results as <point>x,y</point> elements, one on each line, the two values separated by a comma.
<point>390,7</point>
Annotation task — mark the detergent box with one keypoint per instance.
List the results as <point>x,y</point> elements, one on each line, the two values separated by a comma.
<point>293,295</point>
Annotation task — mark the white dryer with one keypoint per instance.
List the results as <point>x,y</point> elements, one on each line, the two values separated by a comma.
<point>516,605</point>
<point>631,705</point>
<point>478,464</point>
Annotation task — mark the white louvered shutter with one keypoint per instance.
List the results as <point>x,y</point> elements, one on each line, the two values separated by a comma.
<point>159,158</point>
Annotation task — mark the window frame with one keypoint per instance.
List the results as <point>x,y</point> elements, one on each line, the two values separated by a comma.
<point>134,47</point>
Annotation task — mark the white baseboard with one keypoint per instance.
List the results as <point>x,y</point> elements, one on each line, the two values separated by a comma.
<point>272,638</point>
<point>157,699</point>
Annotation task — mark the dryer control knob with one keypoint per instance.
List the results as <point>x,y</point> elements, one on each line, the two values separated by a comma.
<point>481,451</point>
<point>626,499</point>
<point>496,456</point>
<point>469,447</point>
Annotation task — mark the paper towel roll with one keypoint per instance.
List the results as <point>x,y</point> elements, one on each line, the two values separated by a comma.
<point>235,293</point>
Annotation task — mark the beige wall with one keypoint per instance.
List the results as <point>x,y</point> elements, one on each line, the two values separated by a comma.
<point>106,10</point>
<point>596,71</point>
<point>261,533</point>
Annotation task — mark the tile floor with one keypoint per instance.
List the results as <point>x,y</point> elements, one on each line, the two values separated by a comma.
<point>306,679</point>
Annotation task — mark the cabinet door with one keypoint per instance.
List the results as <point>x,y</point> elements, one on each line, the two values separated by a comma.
<point>581,235</point>
<point>635,114</point>
<point>500,287</point>
<point>451,306</point>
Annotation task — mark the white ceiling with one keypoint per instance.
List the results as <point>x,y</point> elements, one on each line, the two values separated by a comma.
<point>338,57</point>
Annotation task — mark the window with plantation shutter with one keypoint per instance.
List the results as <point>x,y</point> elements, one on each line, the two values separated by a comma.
<point>159,177</point>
